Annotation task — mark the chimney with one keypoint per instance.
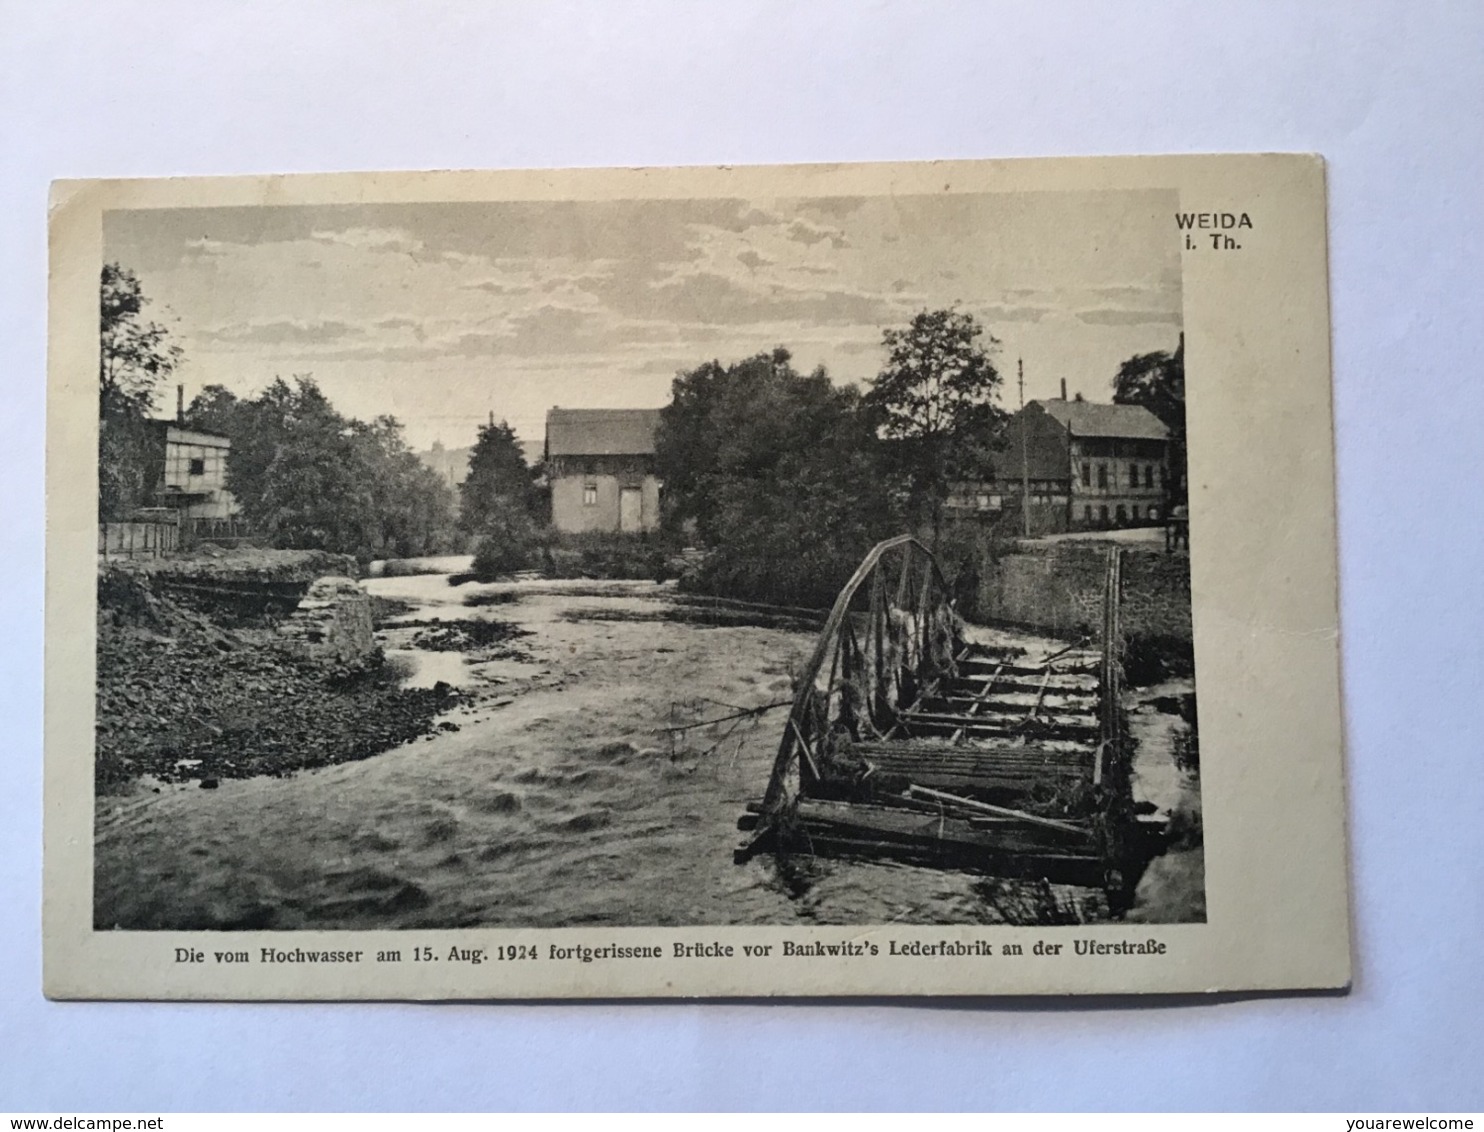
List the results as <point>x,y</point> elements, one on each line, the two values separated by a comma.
<point>1063,389</point>
<point>1078,397</point>
<point>180,404</point>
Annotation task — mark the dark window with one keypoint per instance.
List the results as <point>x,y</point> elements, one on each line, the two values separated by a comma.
<point>1148,475</point>
<point>1103,476</point>
<point>1086,474</point>
<point>198,465</point>
<point>1103,514</point>
<point>1133,475</point>
<point>1122,515</point>
<point>1134,511</point>
<point>1087,514</point>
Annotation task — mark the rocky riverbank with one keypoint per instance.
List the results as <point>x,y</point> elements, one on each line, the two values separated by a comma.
<point>183,696</point>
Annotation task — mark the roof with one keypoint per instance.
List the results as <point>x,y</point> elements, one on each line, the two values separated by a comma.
<point>1087,418</point>
<point>165,425</point>
<point>601,432</point>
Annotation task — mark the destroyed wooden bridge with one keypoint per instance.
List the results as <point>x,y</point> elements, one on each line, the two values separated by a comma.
<point>907,741</point>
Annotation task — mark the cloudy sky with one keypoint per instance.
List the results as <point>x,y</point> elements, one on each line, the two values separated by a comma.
<point>443,313</point>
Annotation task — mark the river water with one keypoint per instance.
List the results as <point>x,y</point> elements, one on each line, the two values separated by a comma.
<point>557,801</point>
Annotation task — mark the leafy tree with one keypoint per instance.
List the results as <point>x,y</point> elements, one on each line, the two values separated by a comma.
<point>777,473</point>
<point>1157,381</point>
<point>935,399</point>
<point>134,357</point>
<point>498,478</point>
<point>213,409</point>
<point>308,477</point>
<point>412,508</point>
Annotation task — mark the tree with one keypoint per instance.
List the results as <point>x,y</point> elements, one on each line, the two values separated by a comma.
<point>935,398</point>
<point>309,478</point>
<point>498,478</point>
<point>498,503</point>
<point>1157,382</point>
<point>214,409</point>
<point>134,357</point>
<point>777,473</point>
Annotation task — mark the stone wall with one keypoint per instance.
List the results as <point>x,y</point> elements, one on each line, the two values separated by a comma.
<point>1057,588</point>
<point>332,621</point>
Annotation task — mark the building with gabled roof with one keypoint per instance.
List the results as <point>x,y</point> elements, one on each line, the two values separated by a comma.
<point>600,468</point>
<point>1090,419</point>
<point>1086,466</point>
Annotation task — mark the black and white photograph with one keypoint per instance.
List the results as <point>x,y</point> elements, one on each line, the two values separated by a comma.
<point>660,561</point>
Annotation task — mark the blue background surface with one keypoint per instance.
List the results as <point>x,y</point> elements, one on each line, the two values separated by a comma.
<point>1390,93</point>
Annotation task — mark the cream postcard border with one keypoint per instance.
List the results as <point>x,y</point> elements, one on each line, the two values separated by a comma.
<point>1264,597</point>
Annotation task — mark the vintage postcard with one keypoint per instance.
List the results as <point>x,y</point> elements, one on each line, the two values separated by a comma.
<point>907,579</point>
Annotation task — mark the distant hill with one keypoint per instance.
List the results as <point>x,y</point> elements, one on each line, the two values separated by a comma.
<point>452,464</point>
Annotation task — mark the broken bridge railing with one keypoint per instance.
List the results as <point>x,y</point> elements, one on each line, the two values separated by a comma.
<point>891,633</point>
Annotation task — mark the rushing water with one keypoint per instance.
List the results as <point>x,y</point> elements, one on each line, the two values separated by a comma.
<point>558,800</point>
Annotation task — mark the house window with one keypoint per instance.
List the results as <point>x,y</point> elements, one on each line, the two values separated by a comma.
<point>1086,474</point>
<point>198,466</point>
<point>1103,477</point>
<point>1134,511</point>
<point>1103,514</point>
<point>1148,475</point>
<point>1087,513</point>
<point>590,495</point>
<point>1122,515</point>
<point>1133,475</point>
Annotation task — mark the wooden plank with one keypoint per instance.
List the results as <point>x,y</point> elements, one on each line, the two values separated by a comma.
<point>897,823</point>
<point>1059,867</point>
<point>988,726</point>
<point>1072,668</point>
<point>1005,700</point>
<point>980,699</point>
<point>999,780</point>
<point>1030,760</point>
<point>1016,720</point>
<point>997,811</point>
<point>1061,681</point>
<point>1040,698</point>
<point>929,749</point>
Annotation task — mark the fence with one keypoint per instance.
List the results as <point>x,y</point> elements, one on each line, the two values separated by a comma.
<point>137,540</point>
<point>232,531</point>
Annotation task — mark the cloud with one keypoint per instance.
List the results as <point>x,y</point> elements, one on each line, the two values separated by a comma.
<point>282,332</point>
<point>805,232</point>
<point>1131,295</point>
<point>207,247</point>
<point>399,322</point>
<point>1016,313</point>
<point>1114,316</point>
<point>838,208</point>
<point>396,240</point>
<point>553,330</point>
<point>709,298</point>
<point>494,287</point>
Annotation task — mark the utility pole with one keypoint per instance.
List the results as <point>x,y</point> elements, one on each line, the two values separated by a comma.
<point>1025,463</point>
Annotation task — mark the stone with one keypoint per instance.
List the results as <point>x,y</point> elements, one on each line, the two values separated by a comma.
<point>332,621</point>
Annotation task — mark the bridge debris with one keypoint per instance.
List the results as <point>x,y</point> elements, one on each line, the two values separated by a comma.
<point>908,741</point>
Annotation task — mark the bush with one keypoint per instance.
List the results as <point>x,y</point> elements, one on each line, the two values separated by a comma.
<point>599,554</point>
<point>507,542</point>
